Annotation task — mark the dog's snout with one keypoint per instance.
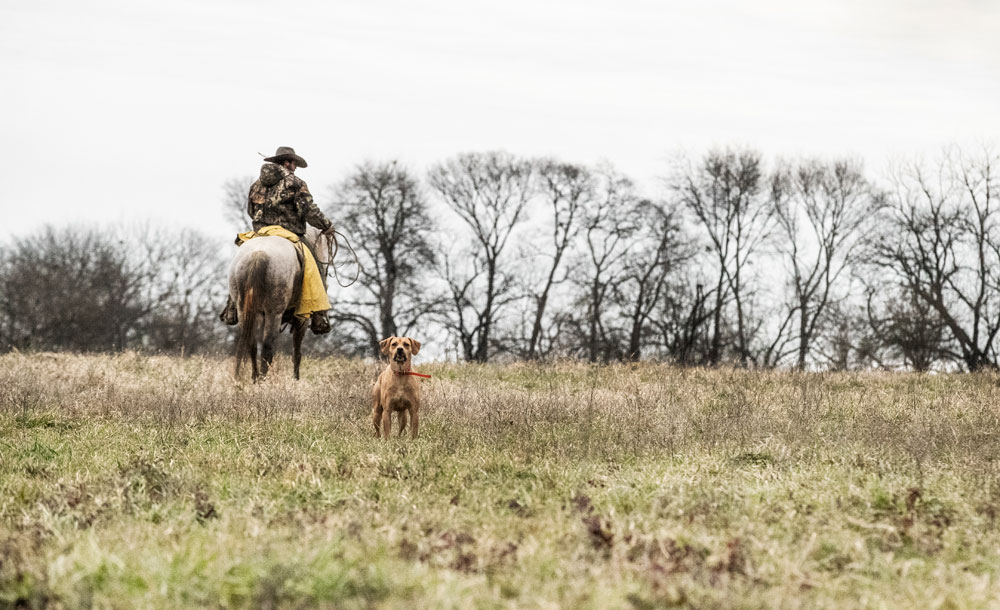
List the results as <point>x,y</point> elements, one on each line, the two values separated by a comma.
<point>399,350</point>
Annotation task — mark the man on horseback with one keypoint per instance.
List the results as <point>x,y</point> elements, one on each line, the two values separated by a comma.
<point>282,199</point>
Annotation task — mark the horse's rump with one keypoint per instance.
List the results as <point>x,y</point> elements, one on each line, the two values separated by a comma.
<point>251,295</point>
<point>262,282</point>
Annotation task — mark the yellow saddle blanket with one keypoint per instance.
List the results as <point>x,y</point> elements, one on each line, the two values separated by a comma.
<point>314,296</point>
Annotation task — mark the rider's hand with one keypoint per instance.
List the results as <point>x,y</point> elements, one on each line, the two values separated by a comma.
<point>329,231</point>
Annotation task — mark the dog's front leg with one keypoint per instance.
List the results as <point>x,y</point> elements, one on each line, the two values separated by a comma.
<point>386,422</point>
<point>377,418</point>
<point>414,420</point>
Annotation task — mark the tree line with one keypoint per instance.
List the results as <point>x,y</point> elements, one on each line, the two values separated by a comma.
<point>807,263</point>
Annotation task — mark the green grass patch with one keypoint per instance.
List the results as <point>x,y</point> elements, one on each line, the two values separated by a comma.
<point>138,481</point>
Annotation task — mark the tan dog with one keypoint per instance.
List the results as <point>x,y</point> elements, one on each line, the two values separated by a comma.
<point>397,388</point>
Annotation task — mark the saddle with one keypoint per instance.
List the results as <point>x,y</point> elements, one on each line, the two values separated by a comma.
<point>309,287</point>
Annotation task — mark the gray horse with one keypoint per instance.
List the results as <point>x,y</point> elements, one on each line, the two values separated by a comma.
<point>264,282</point>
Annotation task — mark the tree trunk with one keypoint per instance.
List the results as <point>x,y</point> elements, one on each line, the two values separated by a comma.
<point>486,320</point>
<point>803,335</point>
<point>594,313</point>
<point>536,329</point>
<point>714,353</point>
<point>387,321</point>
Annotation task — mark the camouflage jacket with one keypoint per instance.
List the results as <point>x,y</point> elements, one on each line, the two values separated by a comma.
<point>281,198</point>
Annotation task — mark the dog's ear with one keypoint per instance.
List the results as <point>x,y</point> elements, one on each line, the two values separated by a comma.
<point>384,345</point>
<point>415,344</point>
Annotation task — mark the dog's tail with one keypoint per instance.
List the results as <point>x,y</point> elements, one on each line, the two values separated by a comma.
<point>251,293</point>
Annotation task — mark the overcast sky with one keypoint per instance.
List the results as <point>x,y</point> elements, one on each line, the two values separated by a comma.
<point>120,110</point>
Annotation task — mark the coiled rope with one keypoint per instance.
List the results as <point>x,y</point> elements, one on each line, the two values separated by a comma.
<point>332,249</point>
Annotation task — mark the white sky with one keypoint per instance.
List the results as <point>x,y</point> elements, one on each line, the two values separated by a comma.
<point>118,110</point>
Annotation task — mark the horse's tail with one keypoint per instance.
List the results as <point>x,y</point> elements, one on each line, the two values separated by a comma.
<point>252,291</point>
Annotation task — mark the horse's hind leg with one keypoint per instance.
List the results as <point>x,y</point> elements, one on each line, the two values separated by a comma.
<point>254,373</point>
<point>298,331</point>
<point>255,367</point>
<point>271,326</point>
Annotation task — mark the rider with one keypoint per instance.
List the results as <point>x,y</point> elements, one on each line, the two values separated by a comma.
<point>281,198</point>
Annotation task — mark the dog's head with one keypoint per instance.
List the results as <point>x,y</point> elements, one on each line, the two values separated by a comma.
<point>399,349</point>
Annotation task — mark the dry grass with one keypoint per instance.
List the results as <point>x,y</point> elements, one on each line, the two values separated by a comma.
<point>135,481</point>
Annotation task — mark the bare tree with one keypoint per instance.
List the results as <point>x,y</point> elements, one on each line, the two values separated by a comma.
<point>381,206</point>
<point>185,280</point>
<point>110,289</point>
<point>846,340</point>
<point>904,330</point>
<point>71,288</point>
<point>724,192</point>
<point>608,225</point>
<point>682,319</point>
<point>942,243</point>
<point>234,202</point>
<point>488,192</point>
<point>659,249</point>
<point>566,189</point>
<point>822,212</point>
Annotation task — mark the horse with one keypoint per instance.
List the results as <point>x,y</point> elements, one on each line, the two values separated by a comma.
<point>264,282</point>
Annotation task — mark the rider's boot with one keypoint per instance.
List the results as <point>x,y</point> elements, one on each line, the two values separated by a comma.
<point>229,315</point>
<point>319,323</point>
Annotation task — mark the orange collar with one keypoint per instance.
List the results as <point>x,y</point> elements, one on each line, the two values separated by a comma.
<point>404,373</point>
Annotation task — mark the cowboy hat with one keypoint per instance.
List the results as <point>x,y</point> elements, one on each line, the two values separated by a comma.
<point>285,153</point>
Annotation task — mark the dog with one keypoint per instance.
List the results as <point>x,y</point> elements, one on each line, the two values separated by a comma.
<point>397,389</point>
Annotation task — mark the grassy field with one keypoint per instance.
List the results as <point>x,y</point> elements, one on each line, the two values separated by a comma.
<point>136,481</point>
